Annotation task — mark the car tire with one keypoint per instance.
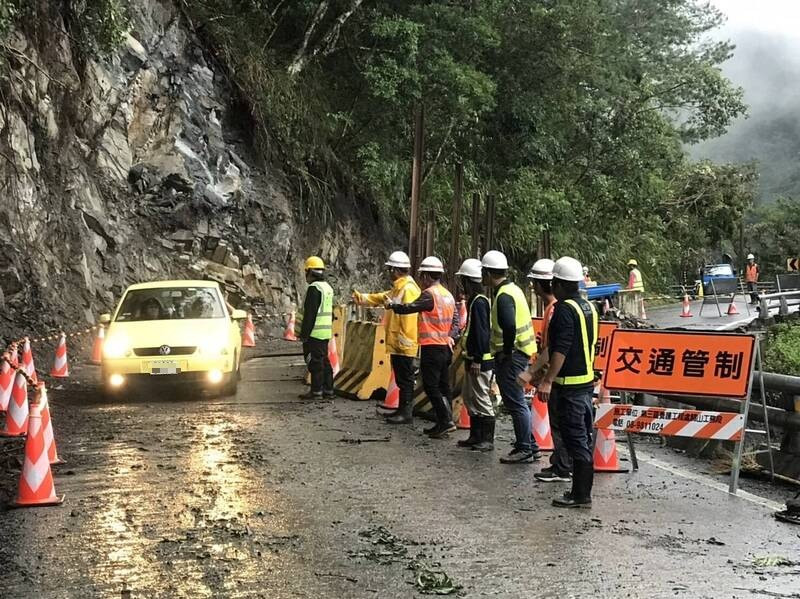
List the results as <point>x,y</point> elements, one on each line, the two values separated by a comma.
<point>232,380</point>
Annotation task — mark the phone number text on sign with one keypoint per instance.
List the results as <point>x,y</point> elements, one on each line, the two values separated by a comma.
<point>670,422</point>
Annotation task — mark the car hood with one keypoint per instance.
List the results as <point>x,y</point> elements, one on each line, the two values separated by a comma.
<point>175,333</point>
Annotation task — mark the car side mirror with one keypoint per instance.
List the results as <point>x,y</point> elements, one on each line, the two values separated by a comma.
<point>239,315</point>
<point>105,318</point>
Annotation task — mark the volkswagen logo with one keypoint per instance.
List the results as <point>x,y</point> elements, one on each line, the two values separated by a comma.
<point>164,350</point>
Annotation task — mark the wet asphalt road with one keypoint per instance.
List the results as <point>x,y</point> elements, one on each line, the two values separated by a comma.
<point>264,495</point>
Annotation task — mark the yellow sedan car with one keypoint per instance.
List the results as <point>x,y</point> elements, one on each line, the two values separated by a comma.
<point>172,331</point>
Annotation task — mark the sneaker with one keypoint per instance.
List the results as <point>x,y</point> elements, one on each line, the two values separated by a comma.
<point>518,456</point>
<point>311,395</point>
<point>443,431</point>
<point>430,429</point>
<point>329,394</point>
<point>548,475</point>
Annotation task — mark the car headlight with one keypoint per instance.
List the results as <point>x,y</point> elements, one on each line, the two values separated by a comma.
<point>116,347</point>
<point>212,346</point>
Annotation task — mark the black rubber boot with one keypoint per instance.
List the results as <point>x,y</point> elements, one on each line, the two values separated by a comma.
<point>486,434</point>
<point>580,495</point>
<point>404,414</point>
<point>475,424</point>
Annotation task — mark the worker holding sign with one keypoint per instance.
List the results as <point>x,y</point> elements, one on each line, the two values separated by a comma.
<point>572,339</point>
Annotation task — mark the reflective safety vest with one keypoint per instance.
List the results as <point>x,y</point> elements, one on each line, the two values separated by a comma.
<point>524,340</point>
<point>434,326</point>
<point>588,348</point>
<point>323,324</point>
<point>487,356</point>
<point>635,281</point>
<point>751,273</point>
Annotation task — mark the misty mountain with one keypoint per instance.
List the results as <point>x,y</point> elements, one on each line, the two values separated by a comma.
<point>768,68</point>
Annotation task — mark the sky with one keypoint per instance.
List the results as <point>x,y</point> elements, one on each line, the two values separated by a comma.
<point>781,17</point>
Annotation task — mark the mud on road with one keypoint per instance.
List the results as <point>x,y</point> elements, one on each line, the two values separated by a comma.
<point>264,495</point>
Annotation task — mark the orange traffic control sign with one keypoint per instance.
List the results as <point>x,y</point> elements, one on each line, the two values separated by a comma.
<point>680,363</point>
<point>603,340</point>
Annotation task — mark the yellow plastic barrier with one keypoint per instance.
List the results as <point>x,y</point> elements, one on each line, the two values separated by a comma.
<point>365,364</point>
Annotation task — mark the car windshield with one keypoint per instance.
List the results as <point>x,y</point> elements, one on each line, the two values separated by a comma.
<point>719,270</point>
<point>176,303</point>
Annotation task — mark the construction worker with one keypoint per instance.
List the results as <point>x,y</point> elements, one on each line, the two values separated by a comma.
<point>560,469</point>
<point>316,329</point>
<point>751,273</point>
<point>635,281</point>
<point>437,325</point>
<point>401,331</point>
<point>512,344</point>
<point>478,361</point>
<point>572,337</point>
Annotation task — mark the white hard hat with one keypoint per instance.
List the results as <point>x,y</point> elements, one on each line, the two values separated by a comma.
<point>494,259</point>
<point>399,260</point>
<point>542,269</point>
<point>751,257</point>
<point>568,269</point>
<point>470,268</point>
<point>586,270</point>
<point>431,264</point>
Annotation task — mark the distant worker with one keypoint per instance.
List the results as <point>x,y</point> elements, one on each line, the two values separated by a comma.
<point>316,329</point>
<point>478,361</point>
<point>586,278</point>
<point>751,274</point>
<point>512,345</point>
<point>437,325</point>
<point>560,469</point>
<point>635,281</point>
<point>401,331</point>
<point>572,337</point>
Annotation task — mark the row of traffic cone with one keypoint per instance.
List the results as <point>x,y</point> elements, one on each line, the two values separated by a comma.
<point>686,310</point>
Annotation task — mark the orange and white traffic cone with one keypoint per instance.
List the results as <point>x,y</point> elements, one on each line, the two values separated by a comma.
<point>289,334</point>
<point>333,356</point>
<point>36,482</point>
<point>605,446</point>
<point>60,365</point>
<point>47,426</point>
<point>6,382</point>
<point>392,401</point>
<point>17,414</point>
<point>97,348</point>
<point>732,311</point>
<point>464,422</point>
<point>686,311</point>
<point>27,360</point>
<point>644,314</point>
<point>249,335</point>
<point>462,314</point>
<point>540,424</point>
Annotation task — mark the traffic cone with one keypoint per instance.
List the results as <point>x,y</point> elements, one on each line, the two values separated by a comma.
<point>462,314</point>
<point>60,366</point>
<point>249,335</point>
<point>333,356</point>
<point>540,423</point>
<point>36,481</point>
<point>27,360</point>
<point>392,401</point>
<point>686,311</point>
<point>6,382</point>
<point>47,426</point>
<point>463,418</point>
<point>606,306</point>
<point>97,348</point>
<point>289,333</point>
<point>605,446</point>
<point>732,311</point>
<point>644,314</point>
<point>17,414</point>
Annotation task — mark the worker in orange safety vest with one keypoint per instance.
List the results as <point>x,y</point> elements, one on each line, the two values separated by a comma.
<point>751,273</point>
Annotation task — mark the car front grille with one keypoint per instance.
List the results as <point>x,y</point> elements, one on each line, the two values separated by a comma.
<point>156,351</point>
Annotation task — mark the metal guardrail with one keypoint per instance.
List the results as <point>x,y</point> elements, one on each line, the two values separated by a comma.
<point>781,301</point>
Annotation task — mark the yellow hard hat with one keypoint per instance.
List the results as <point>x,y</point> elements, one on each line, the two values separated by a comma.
<point>314,263</point>
<point>632,262</point>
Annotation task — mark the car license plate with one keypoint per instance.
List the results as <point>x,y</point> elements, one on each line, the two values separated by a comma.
<point>157,368</point>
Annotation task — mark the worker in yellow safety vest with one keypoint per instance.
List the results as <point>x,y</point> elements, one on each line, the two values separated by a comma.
<point>512,343</point>
<point>572,337</point>
<point>635,281</point>
<point>438,326</point>
<point>401,330</point>
<point>316,329</point>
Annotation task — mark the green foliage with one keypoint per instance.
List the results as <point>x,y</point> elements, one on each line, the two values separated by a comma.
<point>571,113</point>
<point>782,353</point>
<point>772,234</point>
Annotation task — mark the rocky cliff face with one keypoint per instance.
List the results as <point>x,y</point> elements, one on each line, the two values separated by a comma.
<point>137,167</point>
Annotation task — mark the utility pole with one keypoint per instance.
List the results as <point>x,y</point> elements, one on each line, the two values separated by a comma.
<point>455,228</point>
<point>489,222</point>
<point>416,186</point>
<point>476,224</point>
